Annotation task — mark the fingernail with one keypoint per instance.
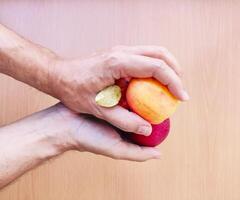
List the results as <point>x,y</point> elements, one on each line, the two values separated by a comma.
<point>184,95</point>
<point>144,130</point>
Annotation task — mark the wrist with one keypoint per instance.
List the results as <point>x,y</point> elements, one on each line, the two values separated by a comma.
<point>57,125</point>
<point>56,65</point>
<point>48,132</point>
<point>25,61</point>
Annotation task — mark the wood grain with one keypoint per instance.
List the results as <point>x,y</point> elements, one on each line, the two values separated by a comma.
<point>201,157</point>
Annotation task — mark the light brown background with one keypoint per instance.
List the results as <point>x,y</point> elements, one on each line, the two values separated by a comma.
<point>201,157</point>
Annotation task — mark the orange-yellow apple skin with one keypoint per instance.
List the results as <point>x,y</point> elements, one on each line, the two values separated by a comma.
<point>151,100</point>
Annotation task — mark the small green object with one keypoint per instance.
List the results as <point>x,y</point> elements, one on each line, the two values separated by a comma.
<point>109,96</point>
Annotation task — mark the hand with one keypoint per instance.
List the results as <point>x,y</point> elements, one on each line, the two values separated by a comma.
<point>28,142</point>
<point>76,82</point>
<point>86,133</point>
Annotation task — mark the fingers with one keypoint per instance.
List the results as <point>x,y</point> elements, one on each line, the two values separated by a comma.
<point>125,120</point>
<point>154,52</point>
<point>143,67</point>
<point>169,78</point>
<point>129,151</point>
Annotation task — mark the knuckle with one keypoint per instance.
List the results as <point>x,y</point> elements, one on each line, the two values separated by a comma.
<point>175,82</point>
<point>99,113</point>
<point>125,126</point>
<point>174,75</point>
<point>113,59</point>
<point>163,50</point>
<point>178,83</point>
<point>116,155</point>
<point>161,65</point>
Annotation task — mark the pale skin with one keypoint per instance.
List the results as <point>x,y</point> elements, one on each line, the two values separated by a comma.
<point>75,82</point>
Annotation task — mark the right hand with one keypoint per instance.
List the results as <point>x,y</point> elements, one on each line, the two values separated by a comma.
<point>77,81</point>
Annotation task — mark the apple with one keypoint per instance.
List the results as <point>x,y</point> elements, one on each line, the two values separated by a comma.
<point>146,97</point>
<point>109,96</point>
<point>150,99</point>
<point>123,84</point>
<point>158,135</point>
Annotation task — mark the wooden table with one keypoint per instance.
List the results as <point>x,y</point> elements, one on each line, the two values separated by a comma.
<point>201,157</point>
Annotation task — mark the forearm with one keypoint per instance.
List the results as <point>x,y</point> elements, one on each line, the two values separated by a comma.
<point>27,143</point>
<point>25,61</point>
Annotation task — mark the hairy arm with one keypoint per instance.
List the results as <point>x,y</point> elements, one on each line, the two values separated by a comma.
<point>75,82</point>
<point>25,61</point>
<point>30,141</point>
<point>48,133</point>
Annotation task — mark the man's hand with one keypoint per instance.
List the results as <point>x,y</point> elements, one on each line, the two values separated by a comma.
<point>30,141</point>
<point>87,133</point>
<point>77,81</point>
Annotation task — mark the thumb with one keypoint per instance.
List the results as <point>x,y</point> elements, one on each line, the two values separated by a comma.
<point>126,121</point>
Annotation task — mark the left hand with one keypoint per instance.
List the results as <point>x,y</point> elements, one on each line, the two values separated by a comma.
<point>86,133</point>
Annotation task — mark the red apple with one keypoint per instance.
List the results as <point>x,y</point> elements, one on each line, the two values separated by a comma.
<point>123,84</point>
<point>159,133</point>
<point>133,98</point>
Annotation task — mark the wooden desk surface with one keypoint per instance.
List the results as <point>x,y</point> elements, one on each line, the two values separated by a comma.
<point>201,157</point>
